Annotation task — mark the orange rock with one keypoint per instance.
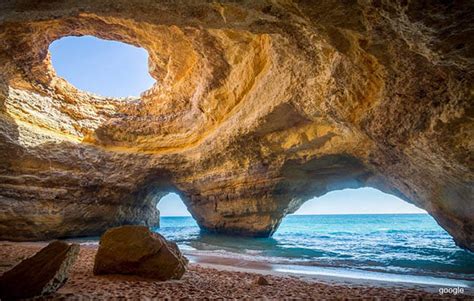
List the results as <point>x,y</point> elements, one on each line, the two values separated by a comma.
<point>135,250</point>
<point>256,109</point>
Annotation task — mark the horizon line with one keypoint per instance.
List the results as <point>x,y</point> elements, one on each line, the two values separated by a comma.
<point>369,213</point>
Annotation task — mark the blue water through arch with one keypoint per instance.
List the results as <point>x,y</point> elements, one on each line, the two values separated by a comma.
<point>402,244</point>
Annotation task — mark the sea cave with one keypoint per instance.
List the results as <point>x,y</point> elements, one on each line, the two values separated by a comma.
<point>249,110</point>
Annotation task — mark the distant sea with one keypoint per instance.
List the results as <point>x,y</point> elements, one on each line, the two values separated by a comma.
<point>375,246</point>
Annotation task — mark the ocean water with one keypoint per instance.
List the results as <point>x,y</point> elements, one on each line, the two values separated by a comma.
<point>381,244</point>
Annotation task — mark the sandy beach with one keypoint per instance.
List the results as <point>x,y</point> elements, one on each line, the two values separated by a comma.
<point>208,281</point>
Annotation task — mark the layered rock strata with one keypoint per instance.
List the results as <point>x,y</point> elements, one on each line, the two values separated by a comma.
<point>258,106</point>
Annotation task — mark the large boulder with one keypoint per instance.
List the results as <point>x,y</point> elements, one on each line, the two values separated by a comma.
<point>41,274</point>
<point>135,250</point>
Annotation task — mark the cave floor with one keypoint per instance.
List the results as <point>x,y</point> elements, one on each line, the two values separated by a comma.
<point>200,282</point>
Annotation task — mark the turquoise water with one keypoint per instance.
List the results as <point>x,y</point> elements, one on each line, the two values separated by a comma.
<point>403,244</point>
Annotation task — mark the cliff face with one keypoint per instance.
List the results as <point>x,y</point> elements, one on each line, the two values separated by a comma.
<point>258,107</point>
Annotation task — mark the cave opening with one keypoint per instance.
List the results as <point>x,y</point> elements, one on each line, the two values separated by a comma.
<point>103,67</point>
<point>171,205</point>
<point>176,221</point>
<point>365,200</point>
<point>363,228</point>
<point>257,108</point>
<point>369,230</point>
<point>363,216</point>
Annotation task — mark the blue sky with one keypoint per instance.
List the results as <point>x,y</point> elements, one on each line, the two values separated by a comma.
<point>107,68</point>
<point>116,69</point>
<point>347,201</point>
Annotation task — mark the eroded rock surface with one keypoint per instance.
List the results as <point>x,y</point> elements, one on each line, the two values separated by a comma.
<point>135,250</point>
<point>257,107</point>
<point>41,274</point>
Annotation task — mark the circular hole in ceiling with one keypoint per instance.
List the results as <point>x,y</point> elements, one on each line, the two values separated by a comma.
<point>103,67</point>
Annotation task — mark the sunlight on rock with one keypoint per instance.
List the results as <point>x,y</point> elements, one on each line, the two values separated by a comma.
<point>249,111</point>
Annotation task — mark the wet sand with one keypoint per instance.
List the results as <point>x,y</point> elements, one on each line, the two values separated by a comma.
<point>211,281</point>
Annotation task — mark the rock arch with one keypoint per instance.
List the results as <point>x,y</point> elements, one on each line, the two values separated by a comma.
<point>256,106</point>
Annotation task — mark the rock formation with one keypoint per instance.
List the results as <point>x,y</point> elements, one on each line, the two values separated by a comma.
<point>41,274</point>
<point>258,106</point>
<point>135,250</point>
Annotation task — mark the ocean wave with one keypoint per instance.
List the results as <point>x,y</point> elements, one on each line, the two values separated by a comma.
<point>400,244</point>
